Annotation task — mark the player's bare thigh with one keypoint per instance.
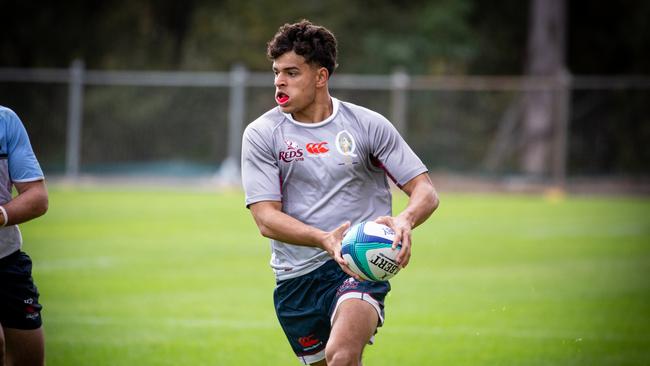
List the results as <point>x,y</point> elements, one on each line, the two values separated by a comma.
<point>24,347</point>
<point>354,324</point>
<point>2,347</point>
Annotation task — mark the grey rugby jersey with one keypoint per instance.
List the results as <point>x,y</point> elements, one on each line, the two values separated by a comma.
<point>324,173</point>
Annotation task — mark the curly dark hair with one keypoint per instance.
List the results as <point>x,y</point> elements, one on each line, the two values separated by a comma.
<point>315,43</point>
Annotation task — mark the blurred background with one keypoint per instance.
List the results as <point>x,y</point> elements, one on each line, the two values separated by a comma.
<point>145,260</point>
<point>509,93</point>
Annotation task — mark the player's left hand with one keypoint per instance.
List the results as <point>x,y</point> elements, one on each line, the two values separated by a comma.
<point>402,229</point>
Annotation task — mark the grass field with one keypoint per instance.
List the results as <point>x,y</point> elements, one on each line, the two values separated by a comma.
<point>165,277</point>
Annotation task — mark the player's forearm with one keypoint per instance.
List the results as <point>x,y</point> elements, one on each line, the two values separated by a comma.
<point>30,203</point>
<point>277,225</point>
<point>423,201</point>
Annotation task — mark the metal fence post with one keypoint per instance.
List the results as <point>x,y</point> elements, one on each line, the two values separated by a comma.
<point>229,173</point>
<point>399,100</point>
<point>75,109</point>
<point>561,135</point>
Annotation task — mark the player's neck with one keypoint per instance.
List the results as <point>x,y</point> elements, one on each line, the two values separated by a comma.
<point>318,111</point>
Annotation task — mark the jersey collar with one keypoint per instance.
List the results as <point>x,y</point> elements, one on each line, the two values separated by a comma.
<point>335,109</point>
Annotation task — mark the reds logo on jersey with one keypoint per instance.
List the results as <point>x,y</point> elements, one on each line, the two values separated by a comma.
<point>291,145</point>
<point>293,152</point>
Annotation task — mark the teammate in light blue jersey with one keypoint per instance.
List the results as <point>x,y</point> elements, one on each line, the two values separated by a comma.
<point>311,167</point>
<point>21,339</point>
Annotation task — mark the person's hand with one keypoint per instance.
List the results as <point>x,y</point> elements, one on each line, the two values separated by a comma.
<point>402,229</point>
<point>332,245</point>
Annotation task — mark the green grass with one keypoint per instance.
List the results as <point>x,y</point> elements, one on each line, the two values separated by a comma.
<point>166,277</point>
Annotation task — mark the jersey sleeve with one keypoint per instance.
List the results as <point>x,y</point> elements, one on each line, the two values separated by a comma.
<point>260,171</point>
<point>23,165</point>
<point>392,152</point>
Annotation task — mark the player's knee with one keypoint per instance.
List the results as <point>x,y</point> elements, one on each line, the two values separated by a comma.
<point>341,356</point>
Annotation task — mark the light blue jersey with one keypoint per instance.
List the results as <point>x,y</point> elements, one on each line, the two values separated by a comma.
<point>324,173</point>
<point>18,164</point>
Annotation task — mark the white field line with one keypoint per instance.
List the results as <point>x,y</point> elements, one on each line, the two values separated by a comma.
<point>53,265</point>
<point>185,323</point>
<point>539,334</point>
<point>412,330</point>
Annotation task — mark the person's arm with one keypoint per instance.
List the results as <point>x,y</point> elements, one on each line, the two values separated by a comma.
<point>277,225</point>
<point>423,200</point>
<point>30,203</point>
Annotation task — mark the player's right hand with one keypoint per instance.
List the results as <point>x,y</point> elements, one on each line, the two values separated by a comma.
<point>332,244</point>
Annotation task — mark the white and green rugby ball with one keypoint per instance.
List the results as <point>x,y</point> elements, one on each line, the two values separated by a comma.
<point>367,247</point>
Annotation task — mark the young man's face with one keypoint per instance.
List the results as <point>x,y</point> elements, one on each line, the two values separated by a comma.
<point>296,82</point>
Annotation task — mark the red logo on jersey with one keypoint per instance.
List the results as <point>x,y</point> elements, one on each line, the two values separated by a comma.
<point>317,147</point>
<point>308,341</point>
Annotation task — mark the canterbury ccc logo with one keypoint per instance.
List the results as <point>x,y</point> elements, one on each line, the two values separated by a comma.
<point>317,147</point>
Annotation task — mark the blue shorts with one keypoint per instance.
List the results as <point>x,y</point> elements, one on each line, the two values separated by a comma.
<point>305,306</point>
<point>19,307</point>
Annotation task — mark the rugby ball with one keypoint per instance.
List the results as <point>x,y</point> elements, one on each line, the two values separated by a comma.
<point>367,247</point>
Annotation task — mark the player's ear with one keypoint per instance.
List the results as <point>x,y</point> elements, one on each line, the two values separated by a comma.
<point>322,76</point>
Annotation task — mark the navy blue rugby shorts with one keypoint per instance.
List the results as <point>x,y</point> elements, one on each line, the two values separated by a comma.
<point>19,307</point>
<point>305,306</point>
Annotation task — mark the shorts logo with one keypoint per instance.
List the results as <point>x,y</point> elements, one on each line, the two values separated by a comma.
<point>317,148</point>
<point>309,341</point>
<point>348,285</point>
<point>345,144</point>
<point>31,311</point>
<point>293,152</point>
